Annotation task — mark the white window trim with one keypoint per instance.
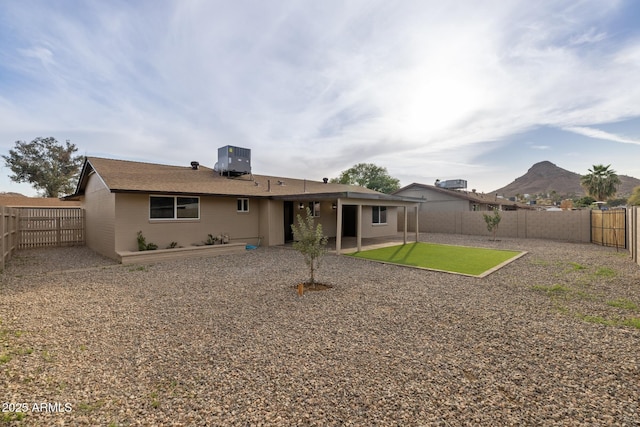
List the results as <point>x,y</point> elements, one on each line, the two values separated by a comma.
<point>373,208</point>
<point>245,202</point>
<point>175,208</point>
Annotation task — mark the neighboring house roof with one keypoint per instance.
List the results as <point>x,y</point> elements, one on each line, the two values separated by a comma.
<point>466,195</point>
<point>20,201</point>
<point>123,176</point>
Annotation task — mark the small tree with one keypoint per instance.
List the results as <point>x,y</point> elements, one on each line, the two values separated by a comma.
<point>310,242</point>
<point>492,222</point>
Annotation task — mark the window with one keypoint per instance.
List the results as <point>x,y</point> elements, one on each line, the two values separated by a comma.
<point>169,207</point>
<point>243,205</point>
<point>379,215</point>
<point>314,207</point>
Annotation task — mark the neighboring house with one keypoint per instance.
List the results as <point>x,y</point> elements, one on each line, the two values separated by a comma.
<point>185,204</point>
<point>442,199</point>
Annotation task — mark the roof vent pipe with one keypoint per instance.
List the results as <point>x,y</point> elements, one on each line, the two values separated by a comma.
<point>194,165</point>
<point>325,180</point>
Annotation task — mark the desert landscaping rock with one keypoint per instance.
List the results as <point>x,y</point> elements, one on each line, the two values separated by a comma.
<point>228,341</point>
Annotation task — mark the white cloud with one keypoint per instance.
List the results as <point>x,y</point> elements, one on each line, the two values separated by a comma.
<point>592,35</point>
<point>600,134</point>
<point>38,52</point>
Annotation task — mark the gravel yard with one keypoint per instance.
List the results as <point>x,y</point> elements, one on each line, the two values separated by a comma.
<point>550,339</point>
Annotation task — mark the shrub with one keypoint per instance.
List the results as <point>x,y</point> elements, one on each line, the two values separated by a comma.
<point>143,245</point>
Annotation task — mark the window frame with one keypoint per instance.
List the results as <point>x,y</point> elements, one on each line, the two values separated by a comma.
<point>379,210</point>
<point>315,213</point>
<point>176,208</point>
<point>242,205</point>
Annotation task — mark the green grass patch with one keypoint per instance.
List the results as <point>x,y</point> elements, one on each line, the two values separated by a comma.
<point>623,303</point>
<point>598,319</point>
<point>553,289</point>
<point>454,259</point>
<point>605,272</point>
<point>576,267</point>
<point>10,417</point>
<point>634,322</point>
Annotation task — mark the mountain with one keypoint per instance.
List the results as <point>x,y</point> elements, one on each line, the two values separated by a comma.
<point>545,177</point>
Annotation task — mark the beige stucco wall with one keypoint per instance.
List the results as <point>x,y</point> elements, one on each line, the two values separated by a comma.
<point>271,222</point>
<point>379,230</point>
<point>98,203</point>
<point>113,221</point>
<point>217,215</point>
<point>327,218</point>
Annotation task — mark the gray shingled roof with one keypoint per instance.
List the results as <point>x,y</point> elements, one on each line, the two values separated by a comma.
<point>467,195</point>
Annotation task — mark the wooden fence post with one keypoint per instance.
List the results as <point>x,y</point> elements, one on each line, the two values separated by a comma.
<point>58,232</point>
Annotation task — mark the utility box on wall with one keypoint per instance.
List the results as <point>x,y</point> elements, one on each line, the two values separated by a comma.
<point>233,161</point>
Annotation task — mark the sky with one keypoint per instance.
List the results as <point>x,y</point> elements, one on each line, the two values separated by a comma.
<point>477,90</point>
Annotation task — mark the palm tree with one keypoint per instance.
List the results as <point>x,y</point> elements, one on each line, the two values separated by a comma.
<point>600,182</point>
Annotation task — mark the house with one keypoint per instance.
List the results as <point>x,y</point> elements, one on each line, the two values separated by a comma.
<point>184,204</point>
<point>436,198</point>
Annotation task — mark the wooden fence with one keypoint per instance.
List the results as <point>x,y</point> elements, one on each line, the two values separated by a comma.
<point>8,233</point>
<point>41,227</point>
<point>609,228</point>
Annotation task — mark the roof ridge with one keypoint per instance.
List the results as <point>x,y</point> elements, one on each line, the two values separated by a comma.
<point>141,162</point>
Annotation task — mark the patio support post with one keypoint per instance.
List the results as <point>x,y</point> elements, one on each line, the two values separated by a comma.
<point>338,226</point>
<point>359,232</point>
<point>417,229</point>
<point>405,225</point>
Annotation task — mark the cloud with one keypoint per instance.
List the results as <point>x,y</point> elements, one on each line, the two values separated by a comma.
<point>592,35</point>
<point>419,87</point>
<point>541,147</point>
<point>38,52</point>
<point>600,134</point>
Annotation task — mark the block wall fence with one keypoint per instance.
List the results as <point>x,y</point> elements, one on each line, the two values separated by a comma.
<point>572,226</point>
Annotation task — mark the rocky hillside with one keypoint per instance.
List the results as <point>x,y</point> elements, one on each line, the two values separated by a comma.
<point>545,177</point>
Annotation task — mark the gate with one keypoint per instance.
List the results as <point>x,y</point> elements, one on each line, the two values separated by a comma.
<point>609,228</point>
<point>41,227</point>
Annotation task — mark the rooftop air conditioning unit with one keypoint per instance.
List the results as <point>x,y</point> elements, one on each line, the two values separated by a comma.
<point>233,161</point>
<point>453,184</point>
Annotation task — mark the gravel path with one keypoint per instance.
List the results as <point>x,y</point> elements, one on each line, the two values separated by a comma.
<point>547,340</point>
